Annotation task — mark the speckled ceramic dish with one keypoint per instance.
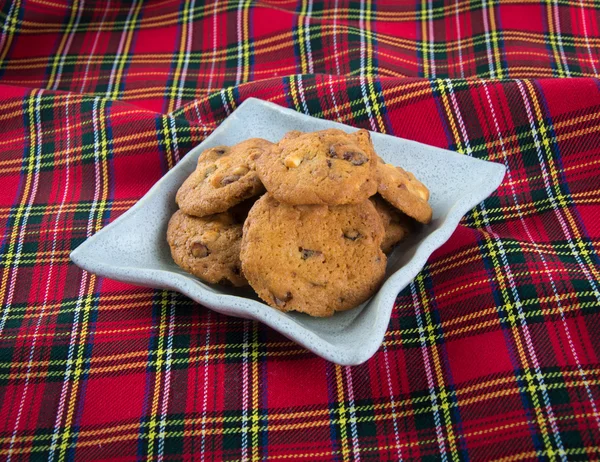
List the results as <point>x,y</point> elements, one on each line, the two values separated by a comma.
<point>134,249</point>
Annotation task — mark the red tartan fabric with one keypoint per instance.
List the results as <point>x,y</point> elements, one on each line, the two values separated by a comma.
<point>492,352</point>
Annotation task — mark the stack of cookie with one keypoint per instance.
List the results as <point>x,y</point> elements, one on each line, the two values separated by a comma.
<point>315,241</point>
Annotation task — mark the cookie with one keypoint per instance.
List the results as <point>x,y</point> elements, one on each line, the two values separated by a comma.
<point>401,189</point>
<point>328,167</point>
<point>315,259</point>
<point>224,177</point>
<point>208,247</point>
<point>396,225</point>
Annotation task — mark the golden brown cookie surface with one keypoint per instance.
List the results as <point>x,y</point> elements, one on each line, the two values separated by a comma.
<point>402,189</point>
<point>328,167</point>
<point>208,247</point>
<point>396,225</point>
<point>314,259</point>
<point>224,177</point>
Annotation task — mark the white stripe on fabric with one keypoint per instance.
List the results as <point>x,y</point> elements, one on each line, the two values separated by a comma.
<point>214,51</point>
<point>205,387</point>
<point>111,80</point>
<point>245,394</point>
<point>95,44</point>
<point>335,49</point>
<point>392,401</point>
<point>240,12</point>
<point>585,34</point>
<point>188,49</point>
<point>309,57</point>
<point>363,85</point>
<point>488,46</point>
<point>459,45</point>
<point>559,39</point>
<point>68,46</point>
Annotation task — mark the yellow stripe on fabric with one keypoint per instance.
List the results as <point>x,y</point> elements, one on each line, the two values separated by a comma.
<point>180,57</point>
<point>300,38</point>
<point>294,93</point>
<point>424,38</point>
<point>494,36</point>
<point>122,58</point>
<point>63,42</point>
<point>369,39</point>
<point>255,426</point>
<point>103,163</point>
<point>370,72</point>
<point>553,44</point>
<point>158,366</point>
<point>167,142</point>
<point>342,421</point>
<point>246,43</point>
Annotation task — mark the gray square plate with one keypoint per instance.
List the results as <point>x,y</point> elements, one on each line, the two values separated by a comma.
<point>134,249</point>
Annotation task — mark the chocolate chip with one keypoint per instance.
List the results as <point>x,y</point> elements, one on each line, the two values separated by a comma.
<point>282,301</point>
<point>219,152</point>
<point>355,157</point>
<point>230,179</point>
<point>236,270</point>
<point>352,235</point>
<point>199,250</point>
<point>307,253</point>
<point>329,163</point>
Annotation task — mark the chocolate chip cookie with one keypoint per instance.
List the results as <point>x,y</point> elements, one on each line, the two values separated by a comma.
<point>208,247</point>
<point>396,225</point>
<point>224,176</point>
<point>328,167</point>
<point>316,259</point>
<point>401,189</point>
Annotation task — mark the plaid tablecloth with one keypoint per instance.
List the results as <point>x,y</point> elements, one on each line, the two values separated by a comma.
<point>491,353</point>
